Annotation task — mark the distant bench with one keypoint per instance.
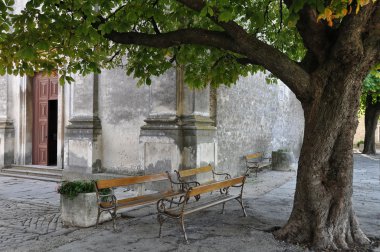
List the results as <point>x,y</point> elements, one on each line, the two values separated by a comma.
<point>185,205</point>
<point>109,203</point>
<point>257,162</point>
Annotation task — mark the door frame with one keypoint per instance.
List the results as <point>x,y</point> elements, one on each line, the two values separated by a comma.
<point>52,94</point>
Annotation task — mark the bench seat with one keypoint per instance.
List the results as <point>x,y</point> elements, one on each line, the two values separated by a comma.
<point>195,206</point>
<point>140,200</point>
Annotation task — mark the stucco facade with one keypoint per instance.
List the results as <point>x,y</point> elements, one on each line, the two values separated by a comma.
<point>106,124</point>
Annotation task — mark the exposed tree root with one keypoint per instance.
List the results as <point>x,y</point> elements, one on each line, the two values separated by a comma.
<point>345,235</point>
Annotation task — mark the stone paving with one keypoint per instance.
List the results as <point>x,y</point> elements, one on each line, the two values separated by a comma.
<point>30,220</point>
<point>29,209</point>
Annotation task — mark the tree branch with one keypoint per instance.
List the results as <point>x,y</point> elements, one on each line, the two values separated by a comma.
<point>360,33</point>
<point>316,35</point>
<point>176,38</point>
<point>279,64</point>
<point>245,61</point>
<point>155,26</point>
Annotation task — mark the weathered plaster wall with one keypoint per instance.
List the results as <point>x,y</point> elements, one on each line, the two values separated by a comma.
<point>253,116</point>
<point>122,109</point>
<point>360,132</point>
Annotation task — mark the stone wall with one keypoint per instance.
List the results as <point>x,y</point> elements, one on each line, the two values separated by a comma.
<point>123,107</point>
<point>360,132</point>
<point>253,116</point>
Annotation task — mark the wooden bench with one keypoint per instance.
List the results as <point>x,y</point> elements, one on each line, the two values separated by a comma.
<point>185,206</point>
<point>257,162</point>
<point>109,203</point>
<point>201,175</point>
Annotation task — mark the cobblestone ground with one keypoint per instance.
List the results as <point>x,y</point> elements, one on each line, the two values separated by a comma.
<point>30,219</point>
<point>29,209</point>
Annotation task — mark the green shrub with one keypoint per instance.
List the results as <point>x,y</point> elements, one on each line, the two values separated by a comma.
<point>359,143</point>
<point>71,189</point>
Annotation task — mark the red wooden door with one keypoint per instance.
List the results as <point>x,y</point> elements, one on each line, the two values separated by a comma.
<point>45,89</point>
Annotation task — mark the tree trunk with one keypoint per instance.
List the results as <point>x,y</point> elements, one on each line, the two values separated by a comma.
<point>372,112</point>
<point>322,214</point>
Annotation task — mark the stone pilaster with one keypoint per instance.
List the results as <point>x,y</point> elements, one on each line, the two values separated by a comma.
<point>178,132</point>
<point>83,138</point>
<point>7,132</point>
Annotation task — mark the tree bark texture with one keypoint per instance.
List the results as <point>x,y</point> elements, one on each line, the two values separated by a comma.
<point>322,214</point>
<point>372,112</point>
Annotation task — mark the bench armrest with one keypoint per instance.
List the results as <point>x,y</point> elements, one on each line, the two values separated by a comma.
<point>227,175</point>
<point>184,185</point>
<point>256,162</point>
<point>162,203</point>
<point>241,185</point>
<point>106,200</point>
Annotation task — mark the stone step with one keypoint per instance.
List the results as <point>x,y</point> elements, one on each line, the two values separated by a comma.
<point>32,173</point>
<point>5,174</point>
<point>38,168</point>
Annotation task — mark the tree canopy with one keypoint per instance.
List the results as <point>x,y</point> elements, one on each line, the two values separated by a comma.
<point>88,35</point>
<point>371,86</point>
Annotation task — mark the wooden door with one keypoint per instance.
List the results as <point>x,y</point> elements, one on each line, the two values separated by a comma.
<point>45,89</point>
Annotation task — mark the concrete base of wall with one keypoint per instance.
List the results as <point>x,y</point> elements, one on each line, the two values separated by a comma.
<point>7,138</point>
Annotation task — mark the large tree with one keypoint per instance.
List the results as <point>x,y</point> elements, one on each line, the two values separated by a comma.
<point>322,50</point>
<point>370,102</point>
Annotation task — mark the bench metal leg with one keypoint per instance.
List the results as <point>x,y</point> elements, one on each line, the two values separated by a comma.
<point>113,214</point>
<point>183,229</point>
<point>97,219</point>
<point>223,208</point>
<point>240,200</point>
<point>161,221</point>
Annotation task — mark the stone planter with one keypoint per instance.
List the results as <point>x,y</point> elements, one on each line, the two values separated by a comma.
<point>361,147</point>
<point>81,211</point>
<point>283,161</point>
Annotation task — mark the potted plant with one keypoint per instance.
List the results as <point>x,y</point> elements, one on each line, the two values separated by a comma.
<point>360,145</point>
<point>79,203</point>
<point>283,160</point>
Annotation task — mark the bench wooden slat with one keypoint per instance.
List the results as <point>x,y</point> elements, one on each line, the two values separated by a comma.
<point>194,171</point>
<point>214,186</point>
<point>142,200</point>
<point>108,183</point>
<point>195,206</point>
<point>254,155</point>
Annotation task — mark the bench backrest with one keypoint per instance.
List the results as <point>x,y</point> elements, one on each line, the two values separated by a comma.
<point>194,171</point>
<point>204,174</point>
<point>215,186</point>
<point>116,182</point>
<point>254,156</point>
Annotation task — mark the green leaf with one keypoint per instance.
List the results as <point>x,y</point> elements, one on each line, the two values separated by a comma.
<point>210,11</point>
<point>43,45</point>
<point>225,16</point>
<point>27,53</point>
<point>204,11</point>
